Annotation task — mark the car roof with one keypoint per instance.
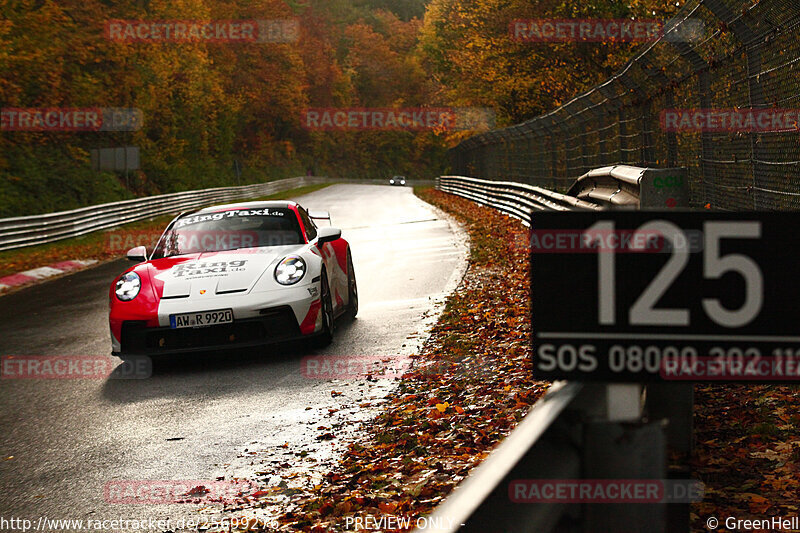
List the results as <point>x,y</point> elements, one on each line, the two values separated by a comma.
<point>245,205</point>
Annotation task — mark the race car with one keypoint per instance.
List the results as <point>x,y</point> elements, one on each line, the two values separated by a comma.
<point>234,276</point>
<point>397,180</point>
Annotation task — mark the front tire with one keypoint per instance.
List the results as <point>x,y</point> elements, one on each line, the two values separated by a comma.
<point>352,288</point>
<point>325,337</point>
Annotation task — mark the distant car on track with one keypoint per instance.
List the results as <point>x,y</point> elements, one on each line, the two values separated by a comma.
<point>234,275</point>
<point>397,180</point>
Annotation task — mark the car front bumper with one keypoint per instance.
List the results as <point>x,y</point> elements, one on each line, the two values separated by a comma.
<point>259,319</point>
<point>276,325</point>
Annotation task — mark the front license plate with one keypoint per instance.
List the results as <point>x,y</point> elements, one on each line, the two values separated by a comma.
<point>199,320</point>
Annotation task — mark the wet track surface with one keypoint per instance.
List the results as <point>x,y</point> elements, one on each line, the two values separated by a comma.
<point>203,417</point>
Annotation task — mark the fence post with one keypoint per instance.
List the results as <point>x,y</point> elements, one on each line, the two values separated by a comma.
<point>531,176</point>
<point>647,138</point>
<point>672,138</point>
<point>700,68</point>
<point>622,117</point>
<point>671,141</point>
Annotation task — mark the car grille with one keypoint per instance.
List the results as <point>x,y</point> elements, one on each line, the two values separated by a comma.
<point>274,325</point>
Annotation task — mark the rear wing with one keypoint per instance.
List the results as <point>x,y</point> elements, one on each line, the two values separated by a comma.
<point>319,215</point>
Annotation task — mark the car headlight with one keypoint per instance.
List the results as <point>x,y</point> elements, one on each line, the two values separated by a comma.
<point>128,286</point>
<point>290,270</point>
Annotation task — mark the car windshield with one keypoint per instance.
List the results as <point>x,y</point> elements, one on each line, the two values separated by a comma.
<point>230,230</point>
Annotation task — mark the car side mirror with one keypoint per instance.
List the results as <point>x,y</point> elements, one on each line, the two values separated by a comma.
<point>328,234</point>
<point>138,254</point>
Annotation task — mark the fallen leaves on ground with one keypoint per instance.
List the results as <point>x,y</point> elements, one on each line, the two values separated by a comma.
<point>747,451</point>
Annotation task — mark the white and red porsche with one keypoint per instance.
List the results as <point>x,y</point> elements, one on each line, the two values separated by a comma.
<point>233,276</point>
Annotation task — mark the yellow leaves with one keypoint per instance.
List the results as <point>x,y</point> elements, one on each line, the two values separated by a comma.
<point>442,407</point>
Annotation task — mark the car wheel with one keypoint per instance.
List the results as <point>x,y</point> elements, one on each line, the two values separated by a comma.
<point>352,288</point>
<point>325,337</point>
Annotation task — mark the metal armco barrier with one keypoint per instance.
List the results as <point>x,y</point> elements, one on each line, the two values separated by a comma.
<point>614,187</point>
<point>623,186</point>
<point>514,199</point>
<point>578,431</point>
<point>19,232</point>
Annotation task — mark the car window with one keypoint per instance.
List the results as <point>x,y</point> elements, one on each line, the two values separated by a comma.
<point>230,230</point>
<point>308,224</point>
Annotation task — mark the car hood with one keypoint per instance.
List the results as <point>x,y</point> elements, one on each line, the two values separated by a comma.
<point>216,272</point>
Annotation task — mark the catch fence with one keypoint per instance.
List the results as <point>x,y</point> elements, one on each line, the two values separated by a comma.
<point>714,55</point>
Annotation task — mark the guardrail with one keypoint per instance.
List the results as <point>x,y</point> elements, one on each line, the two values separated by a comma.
<point>627,187</point>
<point>514,199</point>
<point>19,232</point>
<point>613,187</point>
<point>598,431</point>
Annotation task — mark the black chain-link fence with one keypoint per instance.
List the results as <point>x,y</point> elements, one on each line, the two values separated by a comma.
<point>714,55</point>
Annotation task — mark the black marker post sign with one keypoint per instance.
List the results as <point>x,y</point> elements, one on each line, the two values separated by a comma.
<point>666,296</point>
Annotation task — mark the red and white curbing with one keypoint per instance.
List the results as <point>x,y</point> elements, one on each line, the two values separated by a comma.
<point>38,274</point>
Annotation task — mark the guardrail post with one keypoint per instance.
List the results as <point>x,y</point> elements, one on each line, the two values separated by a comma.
<point>613,450</point>
<point>674,402</point>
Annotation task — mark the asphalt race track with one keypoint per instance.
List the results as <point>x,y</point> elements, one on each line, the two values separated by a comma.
<point>203,417</point>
